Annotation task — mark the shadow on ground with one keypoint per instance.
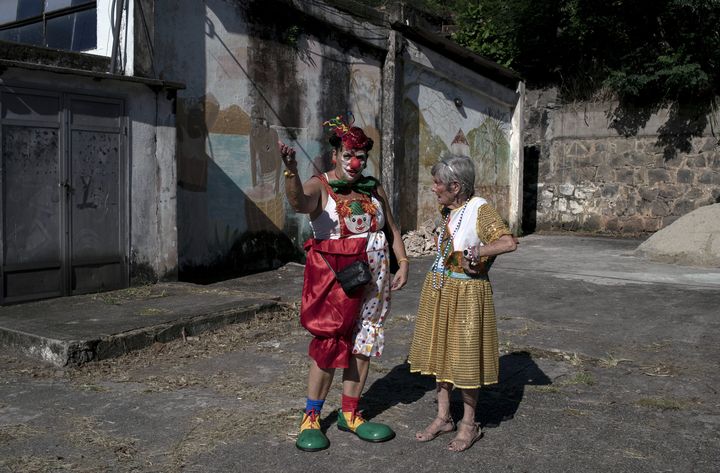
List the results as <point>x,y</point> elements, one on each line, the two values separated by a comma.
<point>399,386</point>
<point>496,404</point>
<point>499,403</point>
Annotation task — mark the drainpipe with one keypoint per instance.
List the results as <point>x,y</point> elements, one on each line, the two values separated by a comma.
<point>119,4</point>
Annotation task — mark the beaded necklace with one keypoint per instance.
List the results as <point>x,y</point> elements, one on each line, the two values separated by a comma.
<point>438,267</point>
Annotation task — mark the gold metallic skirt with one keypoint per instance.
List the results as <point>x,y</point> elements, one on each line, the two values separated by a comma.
<point>455,336</point>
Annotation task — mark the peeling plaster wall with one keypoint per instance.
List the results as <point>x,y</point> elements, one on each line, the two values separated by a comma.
<point>154,251</point>
<point>591,179</point>
<point>255,75</point>
<point>482,128</point>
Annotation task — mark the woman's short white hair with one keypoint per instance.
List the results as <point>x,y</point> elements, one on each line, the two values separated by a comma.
<point>456,168</point>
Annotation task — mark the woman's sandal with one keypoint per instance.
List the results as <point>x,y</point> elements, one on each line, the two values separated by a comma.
<point>437,427</point>
<point>462,442</point>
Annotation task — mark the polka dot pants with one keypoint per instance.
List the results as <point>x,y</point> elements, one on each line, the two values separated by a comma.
<point>369,337</point>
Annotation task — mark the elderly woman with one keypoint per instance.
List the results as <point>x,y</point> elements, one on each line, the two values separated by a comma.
<point>455,337</point>
<point>348,212</point>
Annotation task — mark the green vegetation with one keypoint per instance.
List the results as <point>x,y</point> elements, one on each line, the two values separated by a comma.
<point>660,404</point>
<point>647,54</point>
<point>582,377</point>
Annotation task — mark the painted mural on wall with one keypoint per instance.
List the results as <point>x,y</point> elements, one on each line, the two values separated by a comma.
<point>366,98</point>
<point>435,126</point>
<point>256,91</point>
<point>229,160</point>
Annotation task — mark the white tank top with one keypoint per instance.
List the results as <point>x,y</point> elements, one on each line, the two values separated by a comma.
<point>326,226</point>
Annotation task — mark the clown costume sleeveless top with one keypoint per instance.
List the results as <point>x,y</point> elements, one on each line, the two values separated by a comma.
<point>361,217</point>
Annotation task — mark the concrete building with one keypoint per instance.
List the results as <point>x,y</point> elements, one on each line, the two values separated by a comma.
<point>88,154</point>
<point>193,183</point>
<point>259,72</point>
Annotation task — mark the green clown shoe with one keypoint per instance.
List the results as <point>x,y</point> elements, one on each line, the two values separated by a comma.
<point>368,431</point>
<point>311,438</point>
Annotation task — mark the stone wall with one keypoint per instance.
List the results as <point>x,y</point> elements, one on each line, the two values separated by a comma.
<point>588,178</point>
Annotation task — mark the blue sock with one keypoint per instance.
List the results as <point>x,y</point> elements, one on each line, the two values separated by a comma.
<point>314,404</point>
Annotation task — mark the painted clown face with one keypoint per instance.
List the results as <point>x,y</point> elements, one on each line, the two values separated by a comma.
<point>359,220</point>
<point>358,223</point>
<point>350,163</point>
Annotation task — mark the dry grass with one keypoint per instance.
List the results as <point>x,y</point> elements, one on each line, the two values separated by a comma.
<point>634,454</point>
<point>130,294</point>
<point>218,427</point>
<point>18,432</point>
<point>547,389</point>
<point>656,346</point>
<point>660,370</point>
<point>611,362</point>
<point>84,440</point>
<point>39,463</point>
<point>574,359</point>
<point>87,433</point>
<point>583,377</point>
<point>177,365</point>
<point>178,354</point>
<point>663,404</point>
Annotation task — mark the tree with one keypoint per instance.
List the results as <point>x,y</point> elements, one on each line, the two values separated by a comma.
<point>647,53</point>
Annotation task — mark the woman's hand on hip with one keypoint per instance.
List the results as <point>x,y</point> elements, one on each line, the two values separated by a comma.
<point>473,267</point>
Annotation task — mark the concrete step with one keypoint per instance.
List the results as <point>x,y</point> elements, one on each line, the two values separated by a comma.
<point>79,329</point>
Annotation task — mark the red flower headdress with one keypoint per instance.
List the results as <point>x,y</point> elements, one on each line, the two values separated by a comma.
<point>352,137</point>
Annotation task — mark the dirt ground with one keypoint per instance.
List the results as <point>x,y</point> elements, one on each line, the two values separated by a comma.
<point>600,372</point>
<point>162,368</point>
<point>247,381</point>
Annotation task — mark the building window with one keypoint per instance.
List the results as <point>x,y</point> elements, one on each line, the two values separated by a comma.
<point>59,24</point>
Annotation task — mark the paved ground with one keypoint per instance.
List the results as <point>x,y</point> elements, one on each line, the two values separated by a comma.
<point>608,363</point>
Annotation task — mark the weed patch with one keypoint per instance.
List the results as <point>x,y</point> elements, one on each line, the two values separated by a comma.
<point>660,403</point>
<point>582,377</point>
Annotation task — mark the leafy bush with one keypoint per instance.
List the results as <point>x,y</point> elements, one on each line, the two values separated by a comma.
<point>648,54</point>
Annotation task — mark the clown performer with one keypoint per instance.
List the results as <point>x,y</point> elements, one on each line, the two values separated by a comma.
<point>347,213</point>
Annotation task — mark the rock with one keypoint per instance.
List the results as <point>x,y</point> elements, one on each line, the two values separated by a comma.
<point>421,242</point>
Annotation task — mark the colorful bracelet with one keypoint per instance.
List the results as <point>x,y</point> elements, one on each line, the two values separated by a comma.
<point>403,259</point>
<point>288,174</point>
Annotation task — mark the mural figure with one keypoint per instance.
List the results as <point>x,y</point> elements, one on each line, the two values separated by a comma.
<point>194,117</point>
<point>460,145</point>
<point>490,147</point>
<point>487,145</point>
<point>265,170</point>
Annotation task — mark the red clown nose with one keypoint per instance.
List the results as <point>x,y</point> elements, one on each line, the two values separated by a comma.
<point>355,164</point>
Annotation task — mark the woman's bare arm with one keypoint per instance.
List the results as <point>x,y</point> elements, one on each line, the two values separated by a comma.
<point>303,198</point>
<point>398,248</point>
